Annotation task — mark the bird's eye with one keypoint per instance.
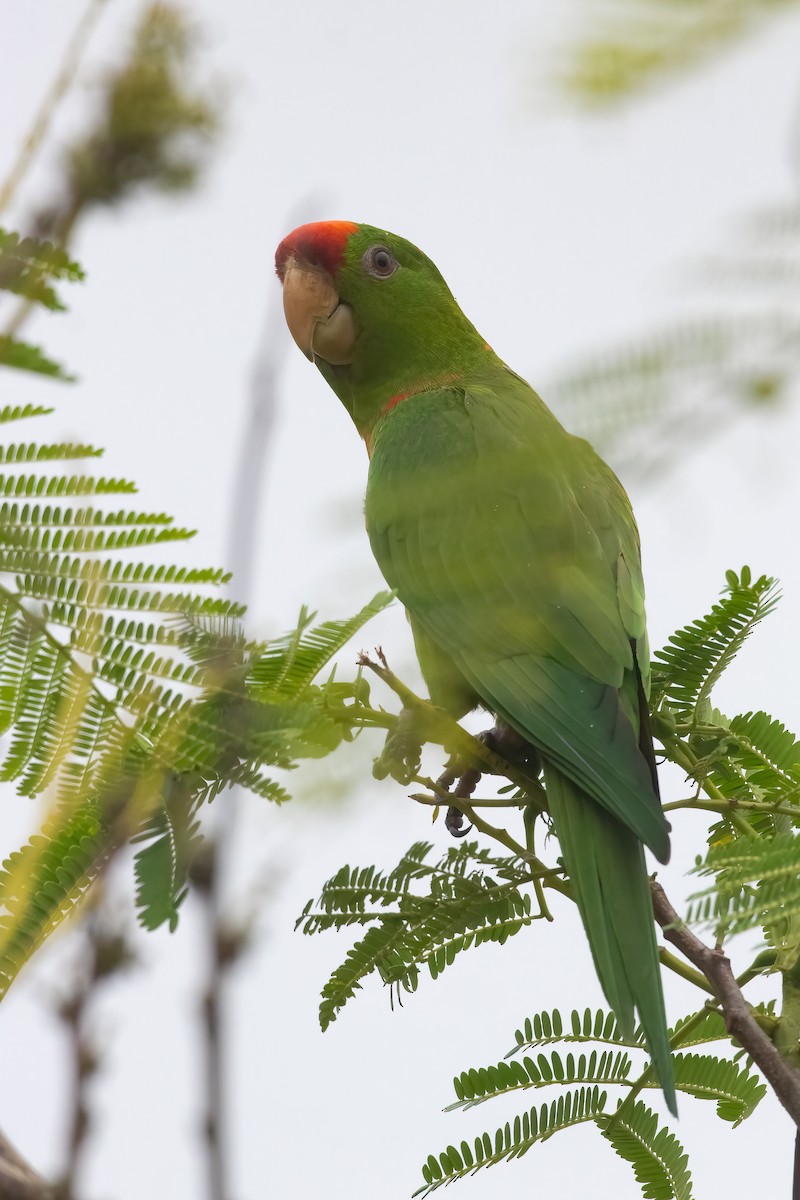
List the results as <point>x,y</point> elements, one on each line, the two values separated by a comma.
<point>380,262</point>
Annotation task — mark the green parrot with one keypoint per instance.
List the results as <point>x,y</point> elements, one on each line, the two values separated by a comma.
<point>515,552</point>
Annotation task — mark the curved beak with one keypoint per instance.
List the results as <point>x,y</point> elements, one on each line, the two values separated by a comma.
<point>321,325</point>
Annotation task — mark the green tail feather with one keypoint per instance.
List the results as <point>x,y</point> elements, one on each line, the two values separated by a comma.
<point>609,881</point>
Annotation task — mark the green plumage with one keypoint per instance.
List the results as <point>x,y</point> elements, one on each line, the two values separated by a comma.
<point>515,551</point>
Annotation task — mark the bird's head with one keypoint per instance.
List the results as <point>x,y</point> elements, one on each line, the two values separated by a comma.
<point>374,314</point>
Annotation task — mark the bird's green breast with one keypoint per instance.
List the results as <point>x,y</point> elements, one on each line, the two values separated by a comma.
<point>484,514</point>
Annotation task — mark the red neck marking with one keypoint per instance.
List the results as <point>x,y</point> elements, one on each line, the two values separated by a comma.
<point>431,385</point>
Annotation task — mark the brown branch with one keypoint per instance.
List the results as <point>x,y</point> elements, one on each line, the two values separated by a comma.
<point>18,1179</point>
<point>225,945</point>
<point>216,1108</point>
<point>740,1021</point>
<point>104,953</point>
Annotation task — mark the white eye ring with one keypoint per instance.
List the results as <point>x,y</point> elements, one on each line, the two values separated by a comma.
<point>380,262</point>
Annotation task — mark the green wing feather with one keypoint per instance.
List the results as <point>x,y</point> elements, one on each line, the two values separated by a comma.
<point>515,551</point>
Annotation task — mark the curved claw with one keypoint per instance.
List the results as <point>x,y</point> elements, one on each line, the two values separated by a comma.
<point>453,822</point>
<point>504,741</point>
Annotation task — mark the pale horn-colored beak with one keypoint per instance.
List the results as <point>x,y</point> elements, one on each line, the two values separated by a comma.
<point>321,325</point>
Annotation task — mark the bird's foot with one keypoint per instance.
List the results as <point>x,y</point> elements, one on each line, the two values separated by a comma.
<point>465,786</point>
<point>506,743</point>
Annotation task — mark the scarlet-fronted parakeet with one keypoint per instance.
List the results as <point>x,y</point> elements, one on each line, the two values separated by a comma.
<point>514,549</point>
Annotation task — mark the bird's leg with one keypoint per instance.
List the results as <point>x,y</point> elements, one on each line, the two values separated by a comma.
<point>465,786</point>
<point>505,742</point>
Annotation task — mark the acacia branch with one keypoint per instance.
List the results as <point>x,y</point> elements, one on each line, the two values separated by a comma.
<point>18,1179</point>
<point>740,1021</point>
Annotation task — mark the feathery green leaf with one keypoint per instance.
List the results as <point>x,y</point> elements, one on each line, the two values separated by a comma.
<point>512,1140</point>
<point>659,1161</point>
<point>693,660</point>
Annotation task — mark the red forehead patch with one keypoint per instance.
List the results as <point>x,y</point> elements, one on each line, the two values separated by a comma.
<point>321,244</point>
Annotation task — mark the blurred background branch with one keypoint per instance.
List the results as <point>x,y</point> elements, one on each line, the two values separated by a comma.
<point>70,64</point>
<point>154,125</point>
<point>153,129</point>
<point>635,44</point>
<point>648,402</point>
<point>103,950</point>
<point>214,872</point>
<point>18,1179</point>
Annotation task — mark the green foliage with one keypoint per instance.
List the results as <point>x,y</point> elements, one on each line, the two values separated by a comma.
<point>22,356</point>
<point>34,452</point>
<point>21,412</point>
<point>42,882</point>
<point>756,883</point>
<point>686,670</point>
<point>154,124</point>
<point>28,267</point>
<point>547,1027</point>
<point>409,930</point>
<point>635,43</point>
<point>659,1161</point>
<point>735,1090</point>
<point>513,1139</point>
<point>691,1032</point>
<point>651,402</point>
<point>602,1067</point>
<point>172,837</point>
<point>288,666</point>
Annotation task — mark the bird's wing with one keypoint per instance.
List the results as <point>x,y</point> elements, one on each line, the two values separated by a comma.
<point>515,550</point>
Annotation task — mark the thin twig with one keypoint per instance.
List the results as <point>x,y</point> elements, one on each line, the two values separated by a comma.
<point>678,753</point>
<point>679,967</point>
<point>724,807</point>
<point>497,802</point>
<point>550,876</point>
<point>762,962</point>
<point>47,109</point>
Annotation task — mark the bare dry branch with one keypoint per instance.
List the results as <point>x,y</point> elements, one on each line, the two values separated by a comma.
<point>740,1022</point>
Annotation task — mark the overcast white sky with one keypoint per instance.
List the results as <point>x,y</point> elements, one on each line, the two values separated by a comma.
<point>558,234</point>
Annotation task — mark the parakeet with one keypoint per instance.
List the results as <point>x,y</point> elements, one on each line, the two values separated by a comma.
<point>515,552</point>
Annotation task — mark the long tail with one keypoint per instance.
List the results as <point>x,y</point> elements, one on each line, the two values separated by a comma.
<point>609,880</point>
